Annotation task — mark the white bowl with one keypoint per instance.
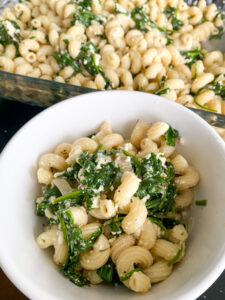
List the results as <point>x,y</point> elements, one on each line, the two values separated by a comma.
<point>32,269</point>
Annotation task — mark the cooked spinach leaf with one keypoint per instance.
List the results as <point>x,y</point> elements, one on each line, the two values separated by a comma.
<point>218,35</point>
<point>115,224</point>
<point>170,136</point>
<point>64,59</point>
<point>85,17</point>
<point>162,82</point>
<point>93,180</point>
<point>75,245</point>
<point>157,221</point>
<point>54,202</point>
<point>140,18</point>
<point>192,56</point>
<point>9,34</point>
<point>171,14</point>
<point>142,22</point>
<point>216,86</point>
<point>107,271</point>
<point>157,183</point>
<point>220,29</point>
<point>75,277</point>
<point>88,58</point>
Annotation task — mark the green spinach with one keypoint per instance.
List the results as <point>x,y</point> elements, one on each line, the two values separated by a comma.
<point>170,136</point>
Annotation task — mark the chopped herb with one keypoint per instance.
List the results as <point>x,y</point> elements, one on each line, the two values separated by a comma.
<point>192,56</point>
<point>176,257</point>
<point>129,274</point>
<point>32,37</point>
<point>170,136</point>
<point>201,202</point>
<point>162,92</point>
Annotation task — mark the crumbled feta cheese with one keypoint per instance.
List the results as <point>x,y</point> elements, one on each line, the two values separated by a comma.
<point>100,189</point>
<point>52,198</point>
<point>145,198</point>
<point>57,174</point>
<point>120,8</point>
<point>97,59</point>
<point>74,153</point>
<point>102,160</point>
<point>10,28</point>
<point>123,162</point>
<point>48,214</point>
<point>128,147</point>
<point>39,200</point>
<point>60,238</point>
<point>161,157</point>
<point>81,174</point>
<point>95,202</point>
<point>146,8</point>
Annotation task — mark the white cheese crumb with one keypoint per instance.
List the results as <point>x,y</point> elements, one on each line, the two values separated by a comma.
<point>102,160</point>
<point>95,202</point>
<point>81,174</point>
<point>39,200</point>
<point>145,198</point>
<point>161,157</point>
<point>123,162</point>
<point>10,28</point>
<point>97,59</point>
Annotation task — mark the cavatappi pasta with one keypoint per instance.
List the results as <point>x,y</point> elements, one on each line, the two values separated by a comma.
<point>114,207</point>
<point>152,46</point>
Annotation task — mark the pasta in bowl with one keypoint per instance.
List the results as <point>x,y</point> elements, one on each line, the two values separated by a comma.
<point>153,46</point>
<point>114,206</point>
<point>33,271</point>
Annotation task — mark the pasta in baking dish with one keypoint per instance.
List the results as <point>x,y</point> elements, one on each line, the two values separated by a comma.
<point>114,207</point>
<point>146,45</point>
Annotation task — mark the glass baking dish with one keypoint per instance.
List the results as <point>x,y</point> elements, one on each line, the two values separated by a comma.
<point>45,92</point>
